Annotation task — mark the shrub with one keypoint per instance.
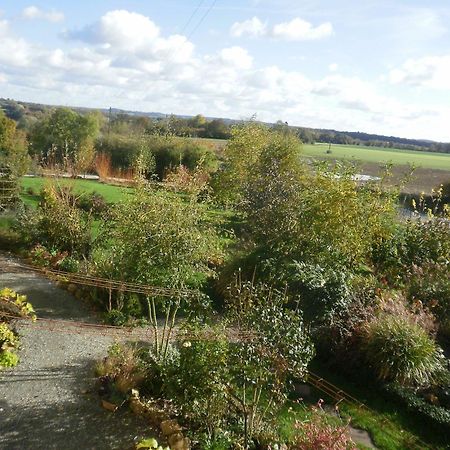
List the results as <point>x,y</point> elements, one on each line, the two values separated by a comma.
<point>323,292</point>
<point>10,239</point>
<point>198,382</point>
<point>403,352</point>
<point>93,203</point>
<point>157,238</point>
<point>430,284</point>
<point>8,359</point>
<point>123,367</point>
<point>319,434</point>
<point>414,242</point>
<point>69,264</point>
<point>436,416</point>
<point>168,152</point>
<point>11,304</point>
<point>57,223</point>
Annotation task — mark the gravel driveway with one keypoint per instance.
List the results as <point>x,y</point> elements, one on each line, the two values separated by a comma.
<point>47,401</point>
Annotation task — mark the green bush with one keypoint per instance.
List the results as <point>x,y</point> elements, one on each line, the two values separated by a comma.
<point>57,223</point>
<point>69,264</point>
<point>93,203</point>
<point>8,359</point>
<point>430,284</point>
<point>197,383</point>
<point>156,238</point>
<point>10,239</point>
<point>402,352</point>
<point>414,242</point>
<point>323,292</point>
<point>436,416</point>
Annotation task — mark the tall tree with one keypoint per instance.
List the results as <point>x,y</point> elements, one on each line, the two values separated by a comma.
<point>13,147</point>
<point>61,137</point>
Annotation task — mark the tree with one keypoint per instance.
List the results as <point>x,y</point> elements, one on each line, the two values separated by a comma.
<point>240,155</point>
<point>62,135</point>
<point>159,239</point>
<point>13,147</point>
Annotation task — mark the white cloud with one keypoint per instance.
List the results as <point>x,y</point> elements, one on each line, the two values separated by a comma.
<point>253,27</point>
<point>333,67</point>
<point>237,57</point>
<point>429,71</point>
<point>4,28</point>
<point>295,30</point>
<point>33,12</point>
<point>301,30</point>
<point>124,32</point>
<point>124,60</point>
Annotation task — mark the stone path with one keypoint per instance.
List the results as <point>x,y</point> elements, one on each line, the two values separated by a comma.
<point>47,401</point>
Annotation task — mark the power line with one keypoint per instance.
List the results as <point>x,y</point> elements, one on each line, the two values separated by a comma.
<point>192,16</point>
<point>202,18</point>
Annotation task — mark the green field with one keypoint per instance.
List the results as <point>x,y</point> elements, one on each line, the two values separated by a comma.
<point>427,160</point>
<point>112,194</point>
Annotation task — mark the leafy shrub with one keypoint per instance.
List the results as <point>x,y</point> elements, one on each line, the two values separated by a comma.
<point>414,242</point>
<point>403,352</point>
<point>168,152</point>
<point>430,284</point>
<point>43,257</point>
<point>11,304</point>
<point>57,223</point>
<point>157,238</point>
<point>8,343</point>
<point>10,239</point>
<point>93,203</point>
<point>198,382</point>
<point>69,264</point>
<point>123,367</point>
<point>7,337</point>
<point>323,292</point>
<point>319,434</point>
<point>8,359</point>
<point>116,317</point>
<point>436,416</point>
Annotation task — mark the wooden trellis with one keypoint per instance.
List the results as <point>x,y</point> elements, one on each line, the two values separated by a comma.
<point>9,189</point>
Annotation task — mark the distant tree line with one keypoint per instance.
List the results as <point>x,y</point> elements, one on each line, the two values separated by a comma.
<point>125,123</point>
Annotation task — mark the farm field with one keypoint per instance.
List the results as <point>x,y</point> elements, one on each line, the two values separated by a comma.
<point>427,160</point>
<point>431,169</point>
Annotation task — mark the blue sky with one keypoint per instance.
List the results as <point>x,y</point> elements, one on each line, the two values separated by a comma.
<point>374,66</point>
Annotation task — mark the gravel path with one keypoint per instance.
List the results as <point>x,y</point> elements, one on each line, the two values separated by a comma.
<point>47,401</point>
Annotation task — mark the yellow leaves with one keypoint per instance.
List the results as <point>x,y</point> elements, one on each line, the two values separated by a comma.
<point>8,296</point>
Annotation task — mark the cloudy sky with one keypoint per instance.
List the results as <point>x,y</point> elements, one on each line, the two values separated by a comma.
<point>380,66</point>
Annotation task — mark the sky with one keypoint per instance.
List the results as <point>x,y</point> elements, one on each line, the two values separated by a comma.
<point>375,66</point>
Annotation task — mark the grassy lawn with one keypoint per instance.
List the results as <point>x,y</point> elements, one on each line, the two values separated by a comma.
<point>112,194</point>
<point>363,154</point>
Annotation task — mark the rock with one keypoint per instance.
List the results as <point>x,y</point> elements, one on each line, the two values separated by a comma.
<point>178,442</point>
<point>169,427</point>
<point>109,406</point>
<point>137,406</point>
